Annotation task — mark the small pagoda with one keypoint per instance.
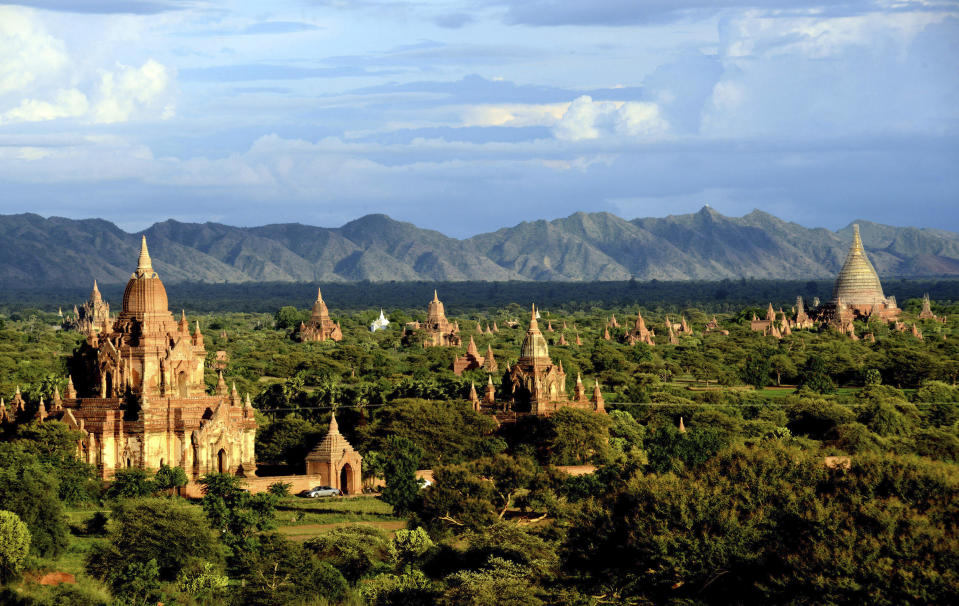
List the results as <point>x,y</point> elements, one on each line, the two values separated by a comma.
<point>336,462</point>
<point>320,327</point>
<point>437,331</point>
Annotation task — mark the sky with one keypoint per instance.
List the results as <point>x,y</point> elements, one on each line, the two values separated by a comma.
<point>466,116</point>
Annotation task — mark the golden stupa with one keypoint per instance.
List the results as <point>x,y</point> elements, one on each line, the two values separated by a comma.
<point>858,289</point>
<point>857,283</point>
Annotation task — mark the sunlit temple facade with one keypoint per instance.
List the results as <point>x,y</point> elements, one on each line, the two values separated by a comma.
<point>138,396</point>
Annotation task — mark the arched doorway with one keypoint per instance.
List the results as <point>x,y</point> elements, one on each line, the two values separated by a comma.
<point>346,479</point>
<point>109,384</point>
<point>184,384</point>
<point>222,465</point>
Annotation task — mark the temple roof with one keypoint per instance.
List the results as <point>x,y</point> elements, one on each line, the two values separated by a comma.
<point>534,344</point>
<point>319,307</point>
<point>332,447</point>
<point>857,283</point>
<point>144,291</point>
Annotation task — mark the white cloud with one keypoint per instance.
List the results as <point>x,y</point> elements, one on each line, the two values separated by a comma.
<point>134,91</point>
<point>67,103</point>
<point>40,80</point>
<point>513,114</point>
<point>28,54</point>
<point>588,119</point>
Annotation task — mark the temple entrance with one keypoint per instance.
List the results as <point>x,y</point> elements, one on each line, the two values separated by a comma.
<point>109,382</point>
<point>346,479</point>
<point>221,463</point>
<point>183,384</point>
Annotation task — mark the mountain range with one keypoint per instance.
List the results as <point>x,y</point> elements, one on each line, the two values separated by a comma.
<point>582,247</point>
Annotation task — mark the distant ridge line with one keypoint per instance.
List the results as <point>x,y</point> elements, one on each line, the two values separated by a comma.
<point>705,245</point>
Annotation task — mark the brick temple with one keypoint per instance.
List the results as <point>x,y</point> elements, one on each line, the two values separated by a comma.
<point>138,396</point>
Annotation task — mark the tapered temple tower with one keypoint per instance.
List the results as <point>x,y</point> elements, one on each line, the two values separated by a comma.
<point>858,289</point>
<point>92,315</point>
<point>436,331</point>
<point>320,327</point>
<point>538,385</point>
<point>137,392</point>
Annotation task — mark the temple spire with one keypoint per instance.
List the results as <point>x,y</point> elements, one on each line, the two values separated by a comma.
<point>532,321</point>
<point>856,238</point>
<point>334,428</point>
<point>144,263</point>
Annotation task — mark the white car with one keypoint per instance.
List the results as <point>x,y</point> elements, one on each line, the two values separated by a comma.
<point>321,491</point>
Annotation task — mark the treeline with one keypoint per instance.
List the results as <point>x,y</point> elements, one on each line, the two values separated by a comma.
<point>721,296</point>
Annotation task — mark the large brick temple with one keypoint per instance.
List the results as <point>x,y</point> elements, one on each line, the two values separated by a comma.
<point>138,396</point>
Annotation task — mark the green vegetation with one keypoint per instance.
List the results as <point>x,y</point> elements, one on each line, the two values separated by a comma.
<point>812,469</point>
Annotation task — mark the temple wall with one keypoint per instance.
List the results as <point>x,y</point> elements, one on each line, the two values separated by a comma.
<point>258,484</point>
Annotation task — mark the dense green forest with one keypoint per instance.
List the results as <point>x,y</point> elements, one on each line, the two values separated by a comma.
<point>812,469</point>
<point>266,297</point>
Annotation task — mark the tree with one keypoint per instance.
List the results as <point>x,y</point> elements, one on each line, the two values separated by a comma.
<point>577,436</point>
<point>280,572</point>
<point>164,531</point>
<point>356,551</point>
<point>287,440</point>
<point>402,489</point>
<point>55,445</point>
<point>29,489</point>
<point>499,582</point>
<point>235,513</point>
<point>445,432</point>
<point>667,449</point>
<point>772,525</point>
<point>131,483</point>
<point>625,433</point>
<point>816,418</point>
<point>782,364</point>
<point>508,475</point>
<point>814,376</point>
<point>872,376</point>
<point>170,478</point>
<point>138,582</point>
<point>14,545</point>
<point>756,369</point>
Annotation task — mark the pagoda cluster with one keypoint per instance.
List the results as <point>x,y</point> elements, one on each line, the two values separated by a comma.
<point>857,295</point>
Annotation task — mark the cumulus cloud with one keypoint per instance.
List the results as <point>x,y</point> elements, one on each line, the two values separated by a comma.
<point>588,119</point>
<point>801,77</point>
<point>67,103</point>
<point>40,80</point>
<point>131,91</point>
<point>27,52</point>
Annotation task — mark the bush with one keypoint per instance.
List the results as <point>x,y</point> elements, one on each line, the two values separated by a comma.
<point>280,489</point>
<point>131,483</point>
<point>14,545</point>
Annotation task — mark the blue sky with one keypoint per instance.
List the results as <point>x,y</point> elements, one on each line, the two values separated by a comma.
<point>466,115</point>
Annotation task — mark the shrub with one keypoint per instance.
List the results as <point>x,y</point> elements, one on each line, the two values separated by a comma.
<point>14,545</point>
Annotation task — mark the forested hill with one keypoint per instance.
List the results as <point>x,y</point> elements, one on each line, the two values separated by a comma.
<point>582,247</point>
